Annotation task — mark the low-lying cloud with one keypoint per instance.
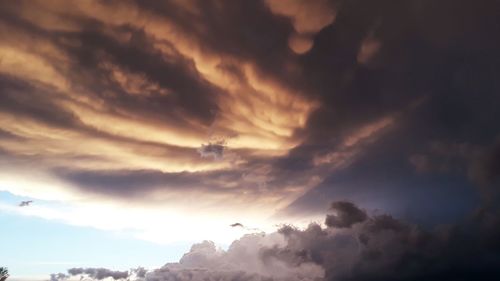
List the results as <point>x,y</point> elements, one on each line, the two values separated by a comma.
<point>367,248</point>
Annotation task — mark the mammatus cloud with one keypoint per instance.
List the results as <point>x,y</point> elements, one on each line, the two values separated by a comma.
<point>111,102</point>
<point>141,91</point>
<point>377,247</point>
<point>308,18</point>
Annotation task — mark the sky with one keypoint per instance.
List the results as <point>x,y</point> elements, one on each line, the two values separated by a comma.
<point>256,140</point>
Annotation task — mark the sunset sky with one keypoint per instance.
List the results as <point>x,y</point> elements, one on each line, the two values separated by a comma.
<point>140,129</point>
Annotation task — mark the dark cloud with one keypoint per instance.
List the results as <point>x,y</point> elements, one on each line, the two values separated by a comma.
<point>345,215</point>
<point>214,150</point>
<point>25,203</point>
<point>405,98</point>
<point>485,168</point>
<point>90,273</point>
<point>131,183</point>
<point>382,177</point>
<point>176,74</point>
<point>409,66</point>
<point>247,30</point>
<point>380,247</point>
<point>9,136</point>
<point>437,82</point>
<point>99,273</point>
<point>384,248</point>
<point>140,272</point>
<point>35,102</point>
<point>395,106</point>
<point>58,276</point>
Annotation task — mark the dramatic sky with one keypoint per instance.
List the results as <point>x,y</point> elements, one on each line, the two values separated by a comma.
<point>138,128</point>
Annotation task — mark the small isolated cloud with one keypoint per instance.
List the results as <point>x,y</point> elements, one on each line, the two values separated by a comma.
<point>214,150</point>
<point>58,277</point>
<point>98,273</point>
<point>135,274</point>
<point>240,225</point>
<point>25,203</point>
<point>345,215</point>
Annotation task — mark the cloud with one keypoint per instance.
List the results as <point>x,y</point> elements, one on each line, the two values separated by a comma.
<point>214,150</point>
<point>139,99</point>
<point>485,168</point>
<point>242,261</point>
<point>311,94</point>
<point>98,273</point>
<point>380,247</point>
<point>308,17</point>
<point>25,203</point>
<point>345,215</point>
<point>58,276</point>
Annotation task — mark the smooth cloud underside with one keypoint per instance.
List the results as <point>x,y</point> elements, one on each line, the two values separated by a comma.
<point>245,106</point>
<point>380,247</point>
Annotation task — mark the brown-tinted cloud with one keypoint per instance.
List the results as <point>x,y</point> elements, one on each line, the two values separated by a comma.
<point>124,100</point>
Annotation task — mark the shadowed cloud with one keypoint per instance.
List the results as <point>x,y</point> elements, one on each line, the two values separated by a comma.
<point>380,247</point>
<point>378,102</point>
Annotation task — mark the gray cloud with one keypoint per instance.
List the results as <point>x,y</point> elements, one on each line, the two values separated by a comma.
<point>345,215</point>
<point>99,273</point>
<point>242,261</point>
<point>380,247</point>
<point>431,66</point>
<point>485,167</point>
<point>214,150</point>
<point>130,71</point>
<point>58,277</point>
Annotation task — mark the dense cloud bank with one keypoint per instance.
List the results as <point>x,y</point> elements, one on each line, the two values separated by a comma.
<point>377,247</point>
<point>255,96</point>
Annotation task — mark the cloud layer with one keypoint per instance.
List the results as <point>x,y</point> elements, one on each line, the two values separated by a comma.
<point>254,109</point>
<point>380,247</point>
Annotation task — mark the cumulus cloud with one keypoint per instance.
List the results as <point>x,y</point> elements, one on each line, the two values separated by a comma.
<point>244,260</point>
<point>345,215</point>
<point>378,247</point>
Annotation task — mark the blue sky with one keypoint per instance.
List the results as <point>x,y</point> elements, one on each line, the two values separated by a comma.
<point>34,247</point>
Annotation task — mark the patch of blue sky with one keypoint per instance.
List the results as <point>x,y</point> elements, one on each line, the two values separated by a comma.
<point>33,247</point>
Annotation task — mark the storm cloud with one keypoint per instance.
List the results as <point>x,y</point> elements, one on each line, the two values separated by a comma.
<point>387,103</point>
<point>345,215</point>
<point>380,247</point>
